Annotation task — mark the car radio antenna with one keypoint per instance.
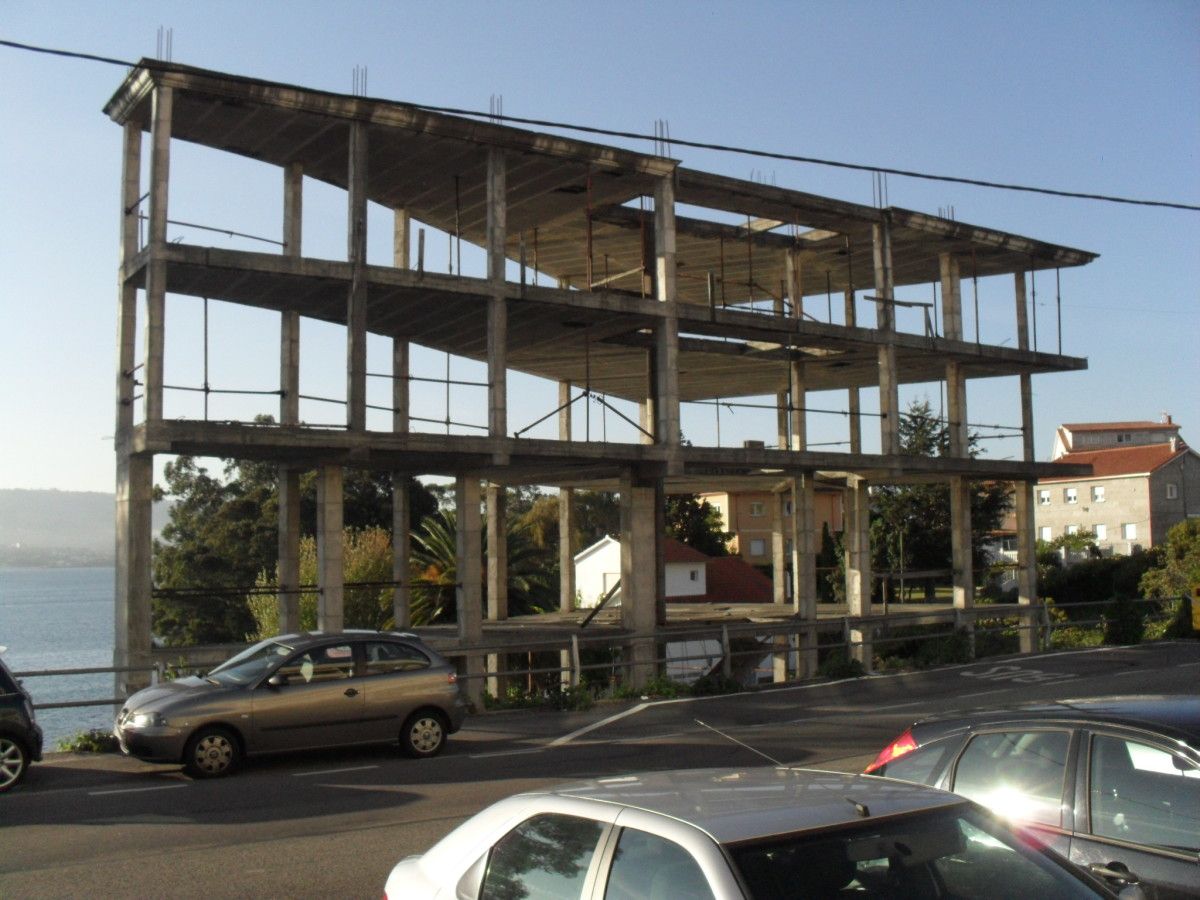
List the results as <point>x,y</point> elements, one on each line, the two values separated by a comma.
<point>730,737</point>
<point>861,808</point>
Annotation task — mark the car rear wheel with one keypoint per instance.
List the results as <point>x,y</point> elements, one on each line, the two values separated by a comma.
<point>423,734</point>
<point>211,753</point>
<point>14,760</point>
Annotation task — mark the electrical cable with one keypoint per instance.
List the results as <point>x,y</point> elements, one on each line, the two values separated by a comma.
<point>705,145</point>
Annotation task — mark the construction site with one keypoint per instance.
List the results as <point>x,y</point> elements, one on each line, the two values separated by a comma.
<point>648,293</point>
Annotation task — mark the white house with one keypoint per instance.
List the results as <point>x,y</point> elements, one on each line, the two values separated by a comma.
<point>598,569</point>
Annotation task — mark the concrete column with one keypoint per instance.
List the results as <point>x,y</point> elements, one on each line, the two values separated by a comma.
<point>639,578</point>
<point>497,342</point>
<point>131,632</point>
<point>1026,533</point>
<point>497,553</point>
<point>667,333</point>
<point>469,552</point>
<point>794,273</point>
<point>799,417</point>
<point>330,568</point>
<point>156,272</point>
<point>854,407</point>
<point>960,543</point>
<point>1026,563</point>
<point>566,513</point>
<point>779,574</point>
<point>131,174</point>
<point>804,565</point>
<point>288,479</point>
<point>497,578</point>
<point>885,322</point>
<point>288,599</point>
<point>859,579</point>
<point>289,324</point>
<point>356,305</point>
<point>951,277</point>
<point>401,488</point>
<point>648,409</point>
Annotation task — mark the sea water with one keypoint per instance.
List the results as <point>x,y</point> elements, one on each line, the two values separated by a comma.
<point>60,618</point>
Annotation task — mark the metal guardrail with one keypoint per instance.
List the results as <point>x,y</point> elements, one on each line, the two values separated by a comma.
<point>771,638</point>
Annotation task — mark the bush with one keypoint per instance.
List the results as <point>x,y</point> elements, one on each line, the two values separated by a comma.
<point>1124,622</point>
<point>93,741</point>
<point>838,665</point>
<point>1096,579</point>
<point>714,684</point>
<point>560,698</point>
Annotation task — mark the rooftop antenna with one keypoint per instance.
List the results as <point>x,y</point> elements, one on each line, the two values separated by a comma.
<point>496,107</point>
<point>358,81</point>
<point>163,48</point>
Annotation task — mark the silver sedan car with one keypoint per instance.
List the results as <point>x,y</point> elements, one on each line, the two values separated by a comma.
<point>298,692</point>
<point>715,834</point>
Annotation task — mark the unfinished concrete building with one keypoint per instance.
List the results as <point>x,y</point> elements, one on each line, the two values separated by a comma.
<point>592,282</point>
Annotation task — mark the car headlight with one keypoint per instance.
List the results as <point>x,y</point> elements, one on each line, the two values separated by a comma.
<point>146,720</point>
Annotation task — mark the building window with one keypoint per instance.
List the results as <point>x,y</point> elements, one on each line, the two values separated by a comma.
<point>693,575</point>
<point>1045,533</point>
<point>1172,491</point>
<point>787,507</point>
<point>1070,495</point>
<point>1097,493</point>
<point>1129,531</point>
<point>1043,498</point>
<point>1101,532</point>
<point>1124,438</point>
<point>1072,529</point>
<point>758,547</point>
<point>756,509</point>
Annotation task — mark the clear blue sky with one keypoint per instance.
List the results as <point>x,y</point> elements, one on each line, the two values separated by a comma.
<point>1096,97</point>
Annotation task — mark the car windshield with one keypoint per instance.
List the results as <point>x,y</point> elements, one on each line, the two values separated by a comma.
<point>957,852</point>
<point>251,664</point>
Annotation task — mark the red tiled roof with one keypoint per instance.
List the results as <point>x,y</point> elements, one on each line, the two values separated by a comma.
<point>1120,460</point>
<point>677,552</point>
<point>730,579</point>
<point>1122,426</point>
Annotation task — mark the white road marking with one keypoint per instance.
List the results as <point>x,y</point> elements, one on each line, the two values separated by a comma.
<point>139,790</point>
<point>332,771</point>
<point>506,753</point>
<point>982,693</point>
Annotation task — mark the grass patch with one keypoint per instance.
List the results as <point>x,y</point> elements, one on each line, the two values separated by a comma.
<point>93,741</point>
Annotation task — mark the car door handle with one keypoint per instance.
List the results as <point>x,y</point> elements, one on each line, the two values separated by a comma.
<point>351,692</point>
<point>1114,870</point>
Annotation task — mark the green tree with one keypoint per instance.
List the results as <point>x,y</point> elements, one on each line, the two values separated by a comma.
<point>1179,570</point>
<point>910,523</point>
<point>366,558</point>
<point>222,532</point>
<point>697,523</point>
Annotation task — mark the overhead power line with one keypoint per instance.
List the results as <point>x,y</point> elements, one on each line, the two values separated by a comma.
<point>705,145</point>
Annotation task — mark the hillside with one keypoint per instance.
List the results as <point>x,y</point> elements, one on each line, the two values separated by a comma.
<point>59,528</point>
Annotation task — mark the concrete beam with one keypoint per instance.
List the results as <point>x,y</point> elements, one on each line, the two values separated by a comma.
<point>131,167</point>
<point>330,560</point>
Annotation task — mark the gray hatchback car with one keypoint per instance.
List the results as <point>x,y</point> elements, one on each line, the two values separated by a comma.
<point>298,692</point>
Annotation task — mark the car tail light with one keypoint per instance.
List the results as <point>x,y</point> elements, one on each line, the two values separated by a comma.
<point>901,746</point>
<point>452,678</point>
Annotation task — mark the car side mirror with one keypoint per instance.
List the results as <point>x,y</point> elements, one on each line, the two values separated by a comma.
<point>277,680</point>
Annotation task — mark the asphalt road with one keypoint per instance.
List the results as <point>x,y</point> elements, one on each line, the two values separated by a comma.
<point>333,824</point>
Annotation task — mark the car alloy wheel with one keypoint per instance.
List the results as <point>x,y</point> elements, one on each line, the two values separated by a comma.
<point>212,753</point>
<point>424,734</point>
<point>13,762</point>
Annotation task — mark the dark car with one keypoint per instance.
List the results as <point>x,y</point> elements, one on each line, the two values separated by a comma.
<point>1112,783</point>
<point>20,736</point>
<point>298,692</point>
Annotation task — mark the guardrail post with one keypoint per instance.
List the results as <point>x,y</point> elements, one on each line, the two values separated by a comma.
<point>576,666</point>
